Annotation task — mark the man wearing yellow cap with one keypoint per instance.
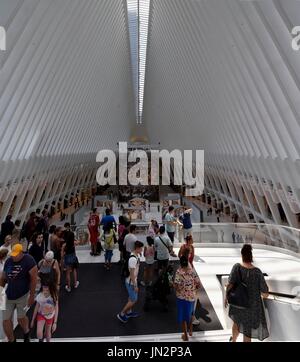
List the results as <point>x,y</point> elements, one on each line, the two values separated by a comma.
<point>20,275</point>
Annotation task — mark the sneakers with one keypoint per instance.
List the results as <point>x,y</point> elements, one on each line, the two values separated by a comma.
<point>76,284</point>
<point>68,289</point>
<point>132,315</point>
<point>122,318</point>
<point>196,322</point>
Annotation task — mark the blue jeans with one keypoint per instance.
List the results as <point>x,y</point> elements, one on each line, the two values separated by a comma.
<point>108,255</point>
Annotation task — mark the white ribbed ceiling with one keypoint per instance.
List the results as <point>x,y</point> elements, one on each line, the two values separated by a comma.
<point>65,81</point>
<point>222,76</point>
<point>66,92</point>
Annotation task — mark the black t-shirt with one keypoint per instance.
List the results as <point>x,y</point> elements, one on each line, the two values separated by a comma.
<point>37,252</point>
<point>17,276</point>
<point>69,238</point>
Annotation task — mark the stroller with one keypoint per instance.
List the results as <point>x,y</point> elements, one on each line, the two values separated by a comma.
<point>160,290</point>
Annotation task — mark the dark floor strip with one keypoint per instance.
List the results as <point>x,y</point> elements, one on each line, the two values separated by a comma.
<point>90,311</point>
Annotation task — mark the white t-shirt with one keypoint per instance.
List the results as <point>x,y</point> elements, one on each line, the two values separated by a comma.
<point>46,306</point>
<point>129,242</point>
<point>133,263</point>
<point>162,248</point>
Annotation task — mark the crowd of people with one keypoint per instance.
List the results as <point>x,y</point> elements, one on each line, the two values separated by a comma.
<point>33,259</point>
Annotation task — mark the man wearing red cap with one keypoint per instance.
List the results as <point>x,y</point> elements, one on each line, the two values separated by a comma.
<point>20,275</point>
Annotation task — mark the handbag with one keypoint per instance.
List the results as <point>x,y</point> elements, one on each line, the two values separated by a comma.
<point>238,296</point>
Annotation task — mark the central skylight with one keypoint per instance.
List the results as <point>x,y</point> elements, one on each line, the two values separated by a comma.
<point>138,18</point>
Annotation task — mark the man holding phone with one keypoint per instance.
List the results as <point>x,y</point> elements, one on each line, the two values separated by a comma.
<point>20,275</point>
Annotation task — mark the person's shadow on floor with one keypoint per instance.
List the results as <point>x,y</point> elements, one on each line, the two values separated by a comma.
<point>202,314</point>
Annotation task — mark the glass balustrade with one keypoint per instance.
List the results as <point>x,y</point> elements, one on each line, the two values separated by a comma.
<point>283,237</point>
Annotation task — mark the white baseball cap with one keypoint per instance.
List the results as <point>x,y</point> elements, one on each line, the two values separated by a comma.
<point>49,255</point>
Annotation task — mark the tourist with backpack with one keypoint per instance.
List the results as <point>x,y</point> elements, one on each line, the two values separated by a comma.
<point>131,283</point>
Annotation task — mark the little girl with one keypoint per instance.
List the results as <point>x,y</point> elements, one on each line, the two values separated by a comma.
<point>109,238</point>
<point>46,312</point>
<point>149,254</point>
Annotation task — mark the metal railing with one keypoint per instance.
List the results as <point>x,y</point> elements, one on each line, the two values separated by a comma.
<point>280,236</point>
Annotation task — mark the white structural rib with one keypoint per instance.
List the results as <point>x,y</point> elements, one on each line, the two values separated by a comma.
<point>65,94</point>
<point>222,76</point>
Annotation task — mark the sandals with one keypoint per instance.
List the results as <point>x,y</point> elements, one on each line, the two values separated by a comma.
<point>185,337</point>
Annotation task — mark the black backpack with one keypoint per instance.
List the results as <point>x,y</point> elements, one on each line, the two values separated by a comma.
<point>126,271</point>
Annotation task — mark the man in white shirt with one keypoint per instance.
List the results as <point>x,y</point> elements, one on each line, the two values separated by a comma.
<point>164,248</point>
<point>131,283</point>
<point>130,240</point>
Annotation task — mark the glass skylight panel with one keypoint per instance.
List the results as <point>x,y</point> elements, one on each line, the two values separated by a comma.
<point>138,18</point>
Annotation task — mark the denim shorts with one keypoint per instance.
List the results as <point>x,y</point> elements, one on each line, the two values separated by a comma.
<point>132,294</point>
<point>70,260</point>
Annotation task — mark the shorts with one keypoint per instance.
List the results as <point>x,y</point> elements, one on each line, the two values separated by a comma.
<point>18,304</point>
<point>48,322</point>
<point>71,261</point>
<point>187,232</point>
<point>185,310</point>
<point>132,294</point>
